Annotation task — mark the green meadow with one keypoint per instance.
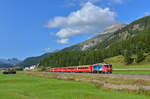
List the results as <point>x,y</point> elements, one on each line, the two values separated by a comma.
<point>146,72</point>
<point>118,63</point>
<point>22,86</point>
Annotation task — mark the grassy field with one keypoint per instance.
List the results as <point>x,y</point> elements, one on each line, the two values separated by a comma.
<point>131,72</point>
<point>22,86</point>
<point>122,66</point>
<point>118,63</point>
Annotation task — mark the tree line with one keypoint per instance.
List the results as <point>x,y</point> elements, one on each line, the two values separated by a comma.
<point>73,58</point>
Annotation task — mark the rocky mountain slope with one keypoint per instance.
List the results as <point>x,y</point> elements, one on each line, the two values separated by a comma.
<point>126,32</point>
<point>97,39</point>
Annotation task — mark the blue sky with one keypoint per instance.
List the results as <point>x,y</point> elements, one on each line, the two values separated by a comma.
<point>33,27</point>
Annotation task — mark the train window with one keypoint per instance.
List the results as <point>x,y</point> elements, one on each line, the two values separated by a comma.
<point>82,67</point>
<point>70,68</point>
<point>110,66</point>
<point>106,66</point>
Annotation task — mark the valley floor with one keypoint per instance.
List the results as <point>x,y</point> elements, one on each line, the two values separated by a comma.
<point>37,86</point>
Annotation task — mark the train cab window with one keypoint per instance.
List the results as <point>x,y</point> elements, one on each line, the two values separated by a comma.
<point>110,66</point>
<point>106,66</point>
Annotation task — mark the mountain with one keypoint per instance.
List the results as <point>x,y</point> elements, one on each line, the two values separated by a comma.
<point>96,39</point>
<point>5,63</point>
<point>81,46</point>
<point>112,41</point>
<point>130,40</point>
<point>126,32</point>
<point>12,61</point>
<point>35,60</point>
<point>5,66</point>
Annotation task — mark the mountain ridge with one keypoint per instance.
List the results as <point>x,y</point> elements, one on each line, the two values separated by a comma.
<point>87,44</point>
<point>11,61</point>
<point>126,32</point>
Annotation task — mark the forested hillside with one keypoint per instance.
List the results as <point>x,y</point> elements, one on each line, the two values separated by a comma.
<point>73,58</point>
<point>33,60</point>
<point>126,33</point>
<point>130,40</point>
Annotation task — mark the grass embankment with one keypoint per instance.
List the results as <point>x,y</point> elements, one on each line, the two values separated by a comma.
<point>118,62</point>
<point>102,82</point>
<point>22,86</point>
<point>146,72</point>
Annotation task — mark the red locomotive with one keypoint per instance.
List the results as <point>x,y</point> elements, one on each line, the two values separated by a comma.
<point>96,68</point>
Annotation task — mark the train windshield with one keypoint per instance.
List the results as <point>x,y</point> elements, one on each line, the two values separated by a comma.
<point>110,66</point>
<point>106,66</point>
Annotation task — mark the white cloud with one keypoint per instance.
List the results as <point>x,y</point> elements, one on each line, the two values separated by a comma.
<point>63,41</point>
<point>46,50</point>
<point>89,19</point>
<point>147,13</point>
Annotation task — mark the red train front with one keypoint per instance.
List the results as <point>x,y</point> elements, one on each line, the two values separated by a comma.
<point>96,68</point>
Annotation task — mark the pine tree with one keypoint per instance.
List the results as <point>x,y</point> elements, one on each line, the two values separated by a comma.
<point>127,57</point>
<point>99,57</point>
<point>139,56</point>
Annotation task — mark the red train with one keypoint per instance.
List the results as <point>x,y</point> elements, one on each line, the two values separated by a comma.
<point>96,68</point>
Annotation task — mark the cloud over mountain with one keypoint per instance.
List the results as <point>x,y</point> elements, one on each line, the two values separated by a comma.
<point>63,41</point>
<point>89,19</point>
